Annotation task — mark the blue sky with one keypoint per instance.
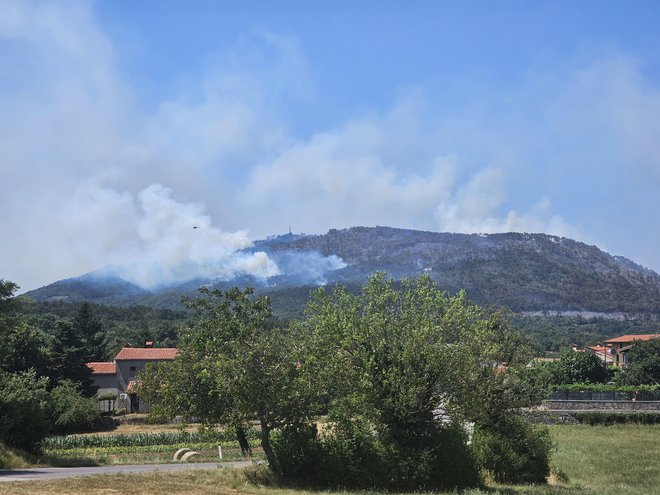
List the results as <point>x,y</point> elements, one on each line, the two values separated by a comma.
<point>124,123</point>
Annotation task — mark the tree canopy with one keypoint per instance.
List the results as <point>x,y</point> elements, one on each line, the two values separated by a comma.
<point>643,364</point>
<point>397,371</point>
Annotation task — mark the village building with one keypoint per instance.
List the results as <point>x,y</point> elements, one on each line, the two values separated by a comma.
<point>119,377</point>
<point>603,352</point>
<point>619,346</point>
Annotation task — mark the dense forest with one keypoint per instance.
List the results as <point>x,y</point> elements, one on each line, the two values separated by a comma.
<point>137,324</point>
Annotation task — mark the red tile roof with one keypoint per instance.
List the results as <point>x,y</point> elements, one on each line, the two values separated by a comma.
<point>630,338</point>
<point>102,368</point>
<point>146,354</point>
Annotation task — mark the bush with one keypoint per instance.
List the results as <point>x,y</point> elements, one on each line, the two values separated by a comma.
<point>353,456</point>
<point>438,458</point>
<point>70,411</point>
<point>610,418</point>
<point>23,410</point>
<point>513,451</point>
<point>299,453</point>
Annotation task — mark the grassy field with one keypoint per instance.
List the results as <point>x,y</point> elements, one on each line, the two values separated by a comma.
<point>617,459</point>
<point>590,460</point>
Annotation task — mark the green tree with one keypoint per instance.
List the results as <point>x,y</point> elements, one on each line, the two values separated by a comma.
<point>24,418</point>
<point>70,412</point>
<point>644,364</point>
<point>242,368</point>
<point>7,291</point>
<point>22,346</point>
<point>399,361</point>
<point>89,329</point>
<point>70,355</point>
<point>581,367</point>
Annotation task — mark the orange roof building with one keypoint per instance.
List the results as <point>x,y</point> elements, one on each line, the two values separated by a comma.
<point>602,352</point>
<point>101,368</point>
<point>146,354</point>
<point>619,346</point>
<point>121,375</point>
<point>629,339</point>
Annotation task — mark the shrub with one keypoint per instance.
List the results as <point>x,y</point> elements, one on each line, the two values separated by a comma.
<point>299,453</point>
<point>70,411</point>
<point>610,418</point>
<point>23,410</point>
<point>353,456</point>
<point>513,451</point>
<point>438,458</point>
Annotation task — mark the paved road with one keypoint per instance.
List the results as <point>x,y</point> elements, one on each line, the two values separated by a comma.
<point>32,474</point>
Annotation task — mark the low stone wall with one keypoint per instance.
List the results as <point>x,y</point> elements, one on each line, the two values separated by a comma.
<point>601,405</point>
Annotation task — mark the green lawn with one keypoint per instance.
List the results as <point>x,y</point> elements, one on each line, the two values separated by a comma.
<point>618,459</point>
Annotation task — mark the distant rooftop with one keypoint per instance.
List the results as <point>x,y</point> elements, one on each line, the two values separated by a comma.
<point>99,368</point>
<point>633,337</point>
<point>146,354</point>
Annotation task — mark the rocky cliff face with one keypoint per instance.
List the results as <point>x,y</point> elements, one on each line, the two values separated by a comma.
<point>525,272</point>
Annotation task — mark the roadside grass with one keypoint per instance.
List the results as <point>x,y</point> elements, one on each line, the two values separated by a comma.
<point>15,458</point>
<point>215,482</point>
<point>589,460</point>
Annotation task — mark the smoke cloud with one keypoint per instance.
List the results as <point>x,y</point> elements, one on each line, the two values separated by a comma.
<point>569,150</point>
<point>306,267</point>
<point>159,242</point>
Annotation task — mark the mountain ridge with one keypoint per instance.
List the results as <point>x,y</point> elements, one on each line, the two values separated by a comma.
<point>525,272</point>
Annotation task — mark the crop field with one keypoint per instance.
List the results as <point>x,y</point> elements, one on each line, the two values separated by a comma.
<point>142,448</point>
<point>589,460</point>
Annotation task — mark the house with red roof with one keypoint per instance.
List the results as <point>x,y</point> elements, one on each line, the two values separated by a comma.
<point>104,376</point>
<point>120,376</point>
<point>602,352</point>
<point>619,346</point>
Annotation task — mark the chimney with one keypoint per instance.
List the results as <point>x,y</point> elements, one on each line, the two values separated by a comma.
<point>149,344</point>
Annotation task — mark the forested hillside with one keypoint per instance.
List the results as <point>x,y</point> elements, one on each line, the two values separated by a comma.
<point>524,272</point>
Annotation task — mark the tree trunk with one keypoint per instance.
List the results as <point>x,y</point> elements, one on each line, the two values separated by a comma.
<point>268,450</point>
<point>243,441</point>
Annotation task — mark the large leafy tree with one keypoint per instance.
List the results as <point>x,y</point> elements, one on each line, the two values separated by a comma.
<point>409,362</point>
<point>242,368</point>
<point>581,367</point>
<point>22,346</point>
<point>644,364</point>
<point>24,418</point>
<point>572,367</point>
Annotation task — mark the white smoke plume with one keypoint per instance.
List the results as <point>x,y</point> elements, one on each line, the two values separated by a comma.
<point>159,242</point>
<point>307,267</point>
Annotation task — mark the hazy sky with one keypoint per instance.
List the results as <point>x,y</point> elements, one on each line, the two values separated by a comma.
<point>125,124</point>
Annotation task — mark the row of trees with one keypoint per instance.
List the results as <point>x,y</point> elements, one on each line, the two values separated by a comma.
<point>396,373</point>
<point>44,383</point>
<point>587,368</point>
<point>116,326</point>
